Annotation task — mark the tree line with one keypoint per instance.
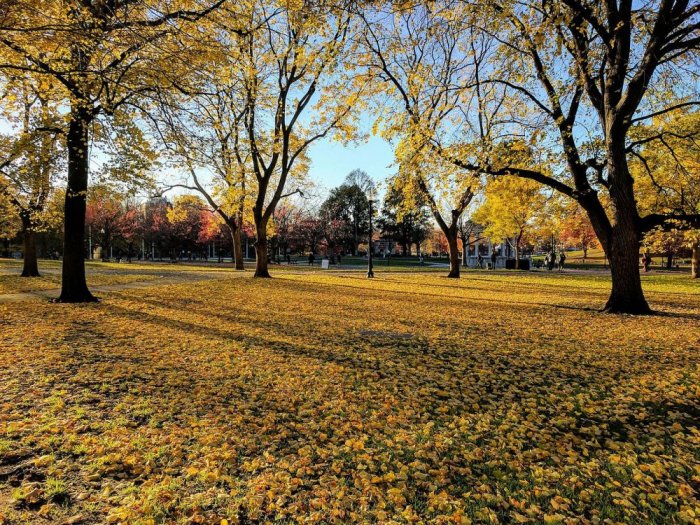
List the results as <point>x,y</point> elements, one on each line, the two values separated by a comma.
<point>596,101</point>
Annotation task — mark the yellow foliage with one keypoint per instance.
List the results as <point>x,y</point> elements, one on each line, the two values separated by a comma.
<point>329,398</point>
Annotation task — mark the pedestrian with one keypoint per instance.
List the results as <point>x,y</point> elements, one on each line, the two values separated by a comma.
<point>551,260</point>
<point>311,259</point>
<point>646,261</point>
<point>480,261</point>
<point>562,259</point>
<point>493,259</point>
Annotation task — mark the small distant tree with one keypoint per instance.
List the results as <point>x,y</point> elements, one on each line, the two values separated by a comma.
<point>346,214</point>
<point>469,233</point>
<point>407,221</point>
<point>577,231</point>
<point>510,209</point>
<point>187,217</point>
<point>104,216</point>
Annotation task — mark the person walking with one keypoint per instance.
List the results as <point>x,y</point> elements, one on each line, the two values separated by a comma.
<point>493,259</point>
<point>562,259</point>
<point>551,260</point>
<point>311,259</point>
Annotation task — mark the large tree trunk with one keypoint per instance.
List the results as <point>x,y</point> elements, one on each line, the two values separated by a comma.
<point>626,295</point>
<point>261,255</point>
<point>73,285</point>
<point>30,267</point>
<point>695,261</point>
<point>237,248</point>
<point>454,253</point>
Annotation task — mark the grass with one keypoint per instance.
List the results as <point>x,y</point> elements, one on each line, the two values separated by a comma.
<point>325,397</point>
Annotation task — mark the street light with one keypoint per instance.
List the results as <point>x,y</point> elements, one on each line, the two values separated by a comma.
<point>370,270</point>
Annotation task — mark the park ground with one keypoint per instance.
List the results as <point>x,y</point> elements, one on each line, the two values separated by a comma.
<point>197,394</point>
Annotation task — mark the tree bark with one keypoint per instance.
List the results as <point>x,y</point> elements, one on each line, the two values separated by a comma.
<point>626,295</point>
<point>465,247</point>
<point>30,267</point>
<point>237,248</point>
<point>261,255</point>
<point>622,248</point>
<point>695,261</point>
<point>73,284</point>
<point>454,253</point>
<point>517,254</point>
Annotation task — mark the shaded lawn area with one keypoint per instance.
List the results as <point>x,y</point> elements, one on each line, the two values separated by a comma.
<point>326,397</point>
<point>98,274</point>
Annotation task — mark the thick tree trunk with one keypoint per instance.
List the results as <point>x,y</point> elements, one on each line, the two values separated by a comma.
<point>695,261</point>
<point>622,247</point>
<point>454,254</point>
<point>237,248</point>
<point>261,255</point>
<point>669,261</point>
<point>623,253</point>
<point>30,267</point>
<point>73,285</point>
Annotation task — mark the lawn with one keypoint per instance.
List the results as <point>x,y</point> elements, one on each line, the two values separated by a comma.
<point>329,398</point>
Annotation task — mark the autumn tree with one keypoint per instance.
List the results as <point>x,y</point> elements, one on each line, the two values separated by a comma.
<point>30,157</point>
<point>104,54</point>
<point>346,212</point>
<point>188,217</point>
<point>413,54</point>
<point>666,169</point>
<point>510,209</point>
<point>405,220</point>
<point>291,70</point>
<point>103,217</point>
<point>201,126</point>
<point>9,224</point>
<point>576,229</point>
<point>589,71</point>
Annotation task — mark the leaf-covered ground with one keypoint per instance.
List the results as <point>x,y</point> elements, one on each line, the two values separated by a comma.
<point>327,398</point>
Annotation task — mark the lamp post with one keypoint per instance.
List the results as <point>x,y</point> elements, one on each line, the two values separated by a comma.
<point>370,269</point>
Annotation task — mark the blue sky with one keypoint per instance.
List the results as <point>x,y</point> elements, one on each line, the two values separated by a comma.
<point>331,161</point>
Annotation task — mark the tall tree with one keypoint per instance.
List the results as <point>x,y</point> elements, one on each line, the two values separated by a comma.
<point>291,71</point>
<point>414,54</point>
<point>201,125</point>
<point>30,157</point>
<point>620,60</point>
<point>104,54</point>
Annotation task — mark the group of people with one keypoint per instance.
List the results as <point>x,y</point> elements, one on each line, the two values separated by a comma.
<point>551,260</point>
